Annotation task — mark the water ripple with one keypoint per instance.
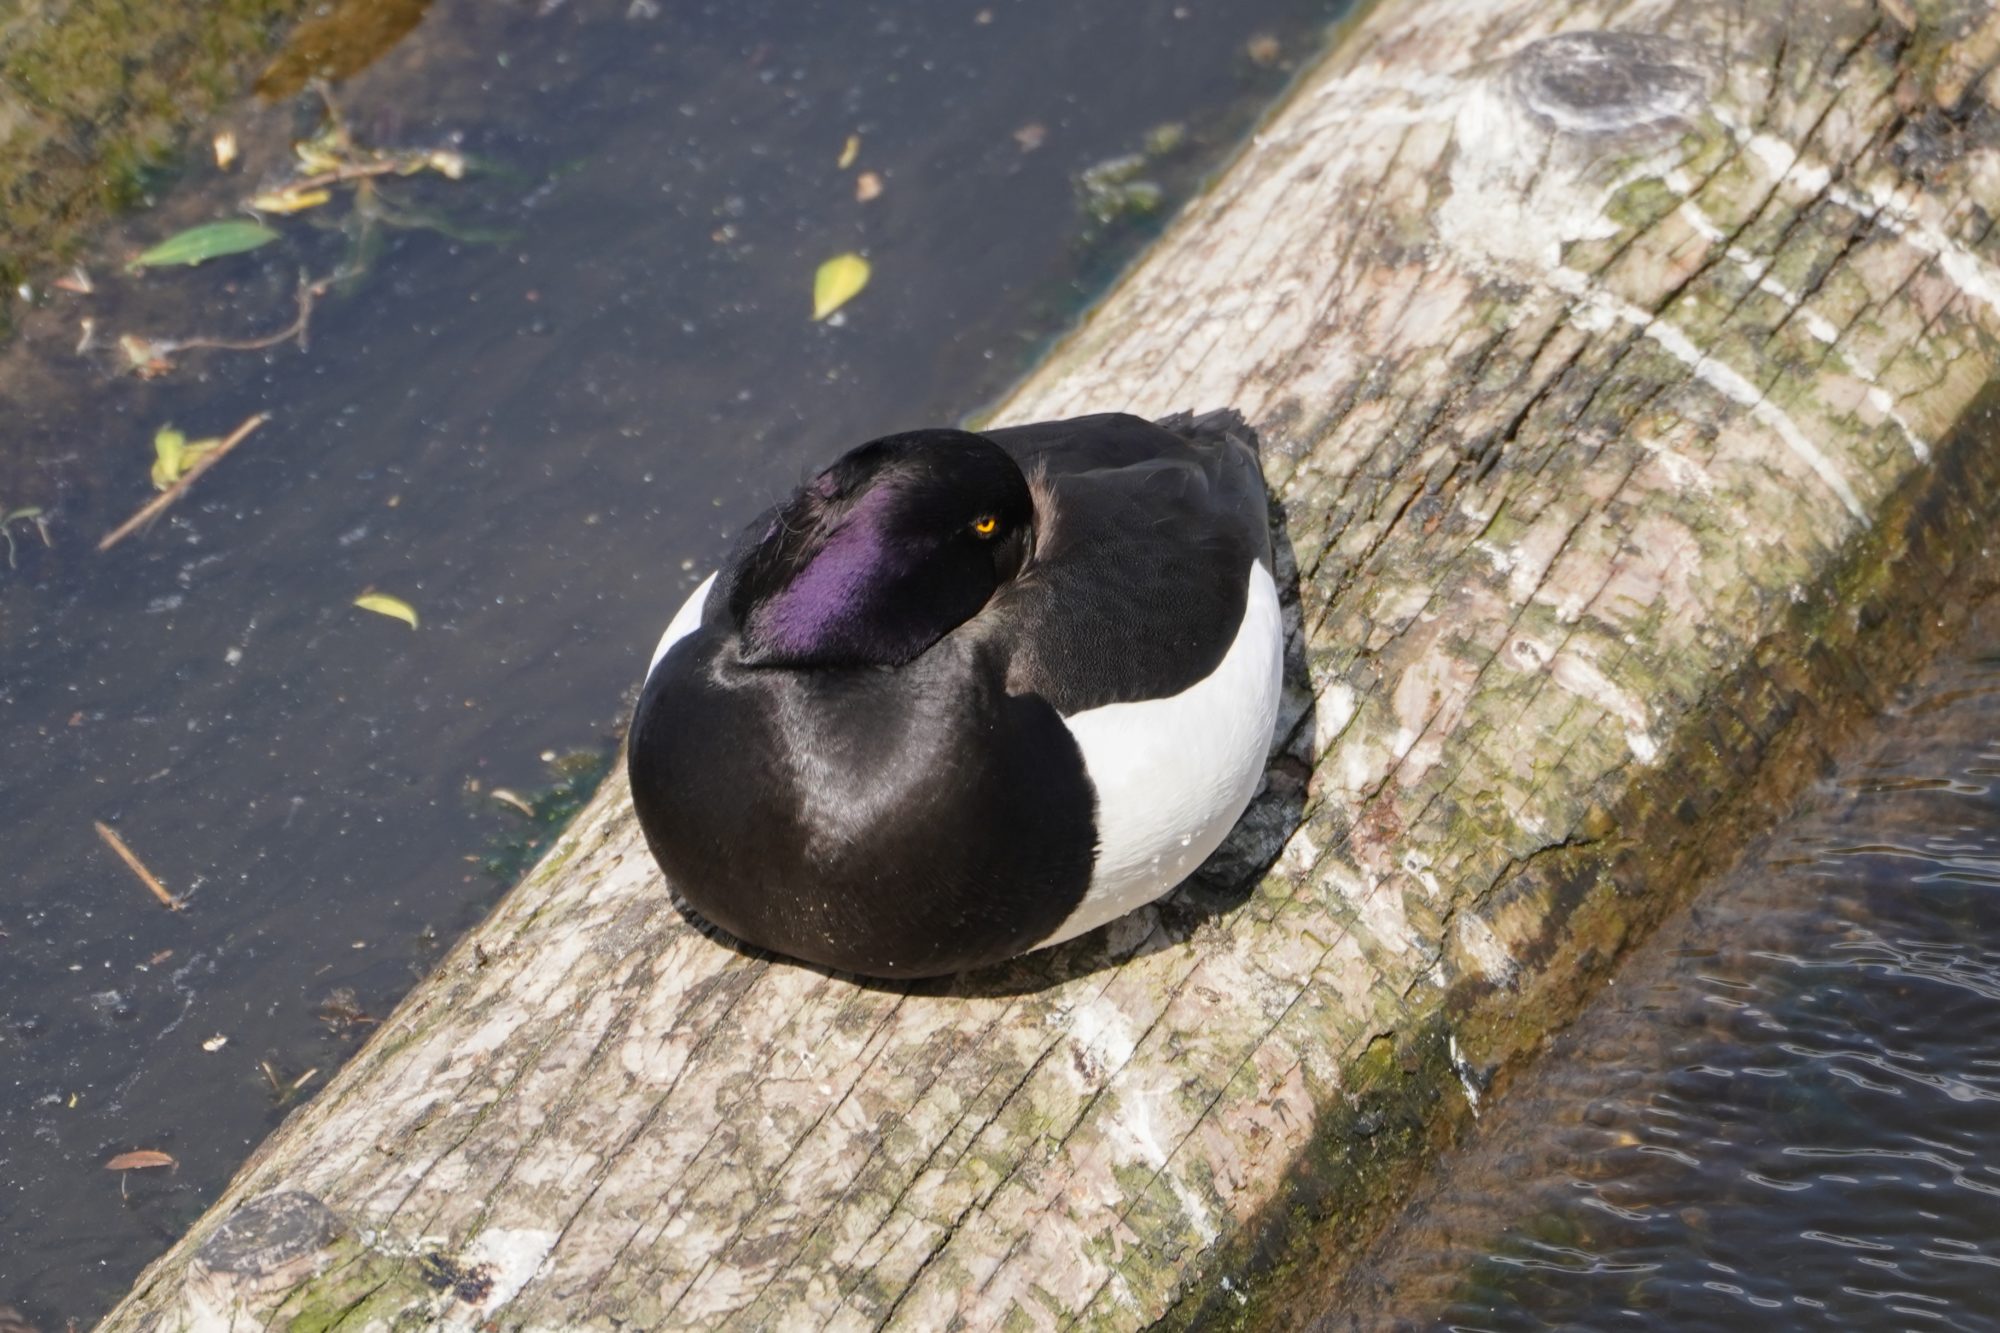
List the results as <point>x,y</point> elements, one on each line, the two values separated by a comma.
<point>1786,1103</point>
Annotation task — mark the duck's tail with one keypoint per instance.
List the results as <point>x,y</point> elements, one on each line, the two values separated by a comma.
<point>1222,423</point>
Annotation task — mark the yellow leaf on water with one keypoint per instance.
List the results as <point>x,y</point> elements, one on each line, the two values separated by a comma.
<point>849,151</point>
<point>839,280</point>
<point>138,1161</point>
<point>174,455</point>
<point>289,201</point>
<point>321,153</point>
<point>382,604</point>
<point>169,457</point>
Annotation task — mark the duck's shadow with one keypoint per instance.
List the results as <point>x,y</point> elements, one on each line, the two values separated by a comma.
<point>1220,885</point>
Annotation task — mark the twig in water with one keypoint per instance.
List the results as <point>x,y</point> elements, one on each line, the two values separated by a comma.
<point>152,357</point>
<point>352,171</point>
<point>146,877</point>
<point>152,508</point>
<point>309,291</point>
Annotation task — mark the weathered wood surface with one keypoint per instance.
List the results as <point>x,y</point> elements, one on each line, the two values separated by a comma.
<point>1603,376</point>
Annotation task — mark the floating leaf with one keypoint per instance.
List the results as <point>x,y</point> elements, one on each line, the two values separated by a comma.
<point>505,797</point>
<point>173,456</point>
<point>849,151</point>
<point>147,357</point>
<point>211,240</point>
<point>323,152</point>
<point>169,457</point>
<point>382,604</point>
<point>839,280</point>
<point>138,1161</point>
<point>290,200</point>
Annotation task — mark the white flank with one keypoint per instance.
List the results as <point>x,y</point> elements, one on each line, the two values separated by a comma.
<point>684,622</point>
<point>1173,775</point>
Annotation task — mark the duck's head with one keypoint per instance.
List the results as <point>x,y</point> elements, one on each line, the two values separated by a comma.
<point>884,553</point>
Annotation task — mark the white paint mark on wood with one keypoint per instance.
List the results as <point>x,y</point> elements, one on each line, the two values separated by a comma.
<point>1683,472</point>
<point>1889,205</point>
<point>1103,1034</point>
<point>1719,376</point>
<point>1785,162</point>
<point>1333,709</point>
<point>1133,1121</point>
<point>1879,399</point>
<point>506,1258</point>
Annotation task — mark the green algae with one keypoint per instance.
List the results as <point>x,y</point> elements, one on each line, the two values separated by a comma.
<point>575,778</point>
<point>95,98</point>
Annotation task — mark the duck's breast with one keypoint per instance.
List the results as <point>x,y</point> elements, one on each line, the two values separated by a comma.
<point>893,823</point>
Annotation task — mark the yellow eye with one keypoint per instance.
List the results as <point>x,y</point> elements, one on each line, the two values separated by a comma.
<point>987,526</point>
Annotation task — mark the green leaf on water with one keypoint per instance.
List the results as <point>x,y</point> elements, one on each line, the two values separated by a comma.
<point>382,604</point>
<point>838,281</point>
<point>211,240</point>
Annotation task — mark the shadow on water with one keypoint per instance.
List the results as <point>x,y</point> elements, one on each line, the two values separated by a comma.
<point>1785,1109</point>
<point>537,442</point>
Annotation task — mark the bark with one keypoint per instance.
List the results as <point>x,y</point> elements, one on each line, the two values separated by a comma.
<point>1620,387</point>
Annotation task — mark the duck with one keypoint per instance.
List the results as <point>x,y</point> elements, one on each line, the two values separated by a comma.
<point>968,694</point>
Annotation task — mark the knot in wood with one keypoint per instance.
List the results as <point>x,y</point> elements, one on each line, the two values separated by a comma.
<point>1610,83</point>
<point>270,1232</point>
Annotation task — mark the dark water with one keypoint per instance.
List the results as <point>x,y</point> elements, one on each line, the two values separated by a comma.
<point>539,443</point>
<point>1786,1113</point>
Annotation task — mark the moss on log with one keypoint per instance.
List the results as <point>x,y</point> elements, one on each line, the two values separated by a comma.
<point>94,94</point>
<point>1619,365</point>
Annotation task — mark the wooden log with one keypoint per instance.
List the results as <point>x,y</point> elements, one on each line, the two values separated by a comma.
<point>1618,363</point>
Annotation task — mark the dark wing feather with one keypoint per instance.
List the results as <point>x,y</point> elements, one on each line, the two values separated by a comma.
<point>1144,544</point>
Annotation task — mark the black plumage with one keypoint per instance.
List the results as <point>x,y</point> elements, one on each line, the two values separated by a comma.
<point>859,757</point>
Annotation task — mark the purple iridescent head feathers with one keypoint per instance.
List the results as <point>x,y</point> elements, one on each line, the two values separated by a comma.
<point>886,552</point>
